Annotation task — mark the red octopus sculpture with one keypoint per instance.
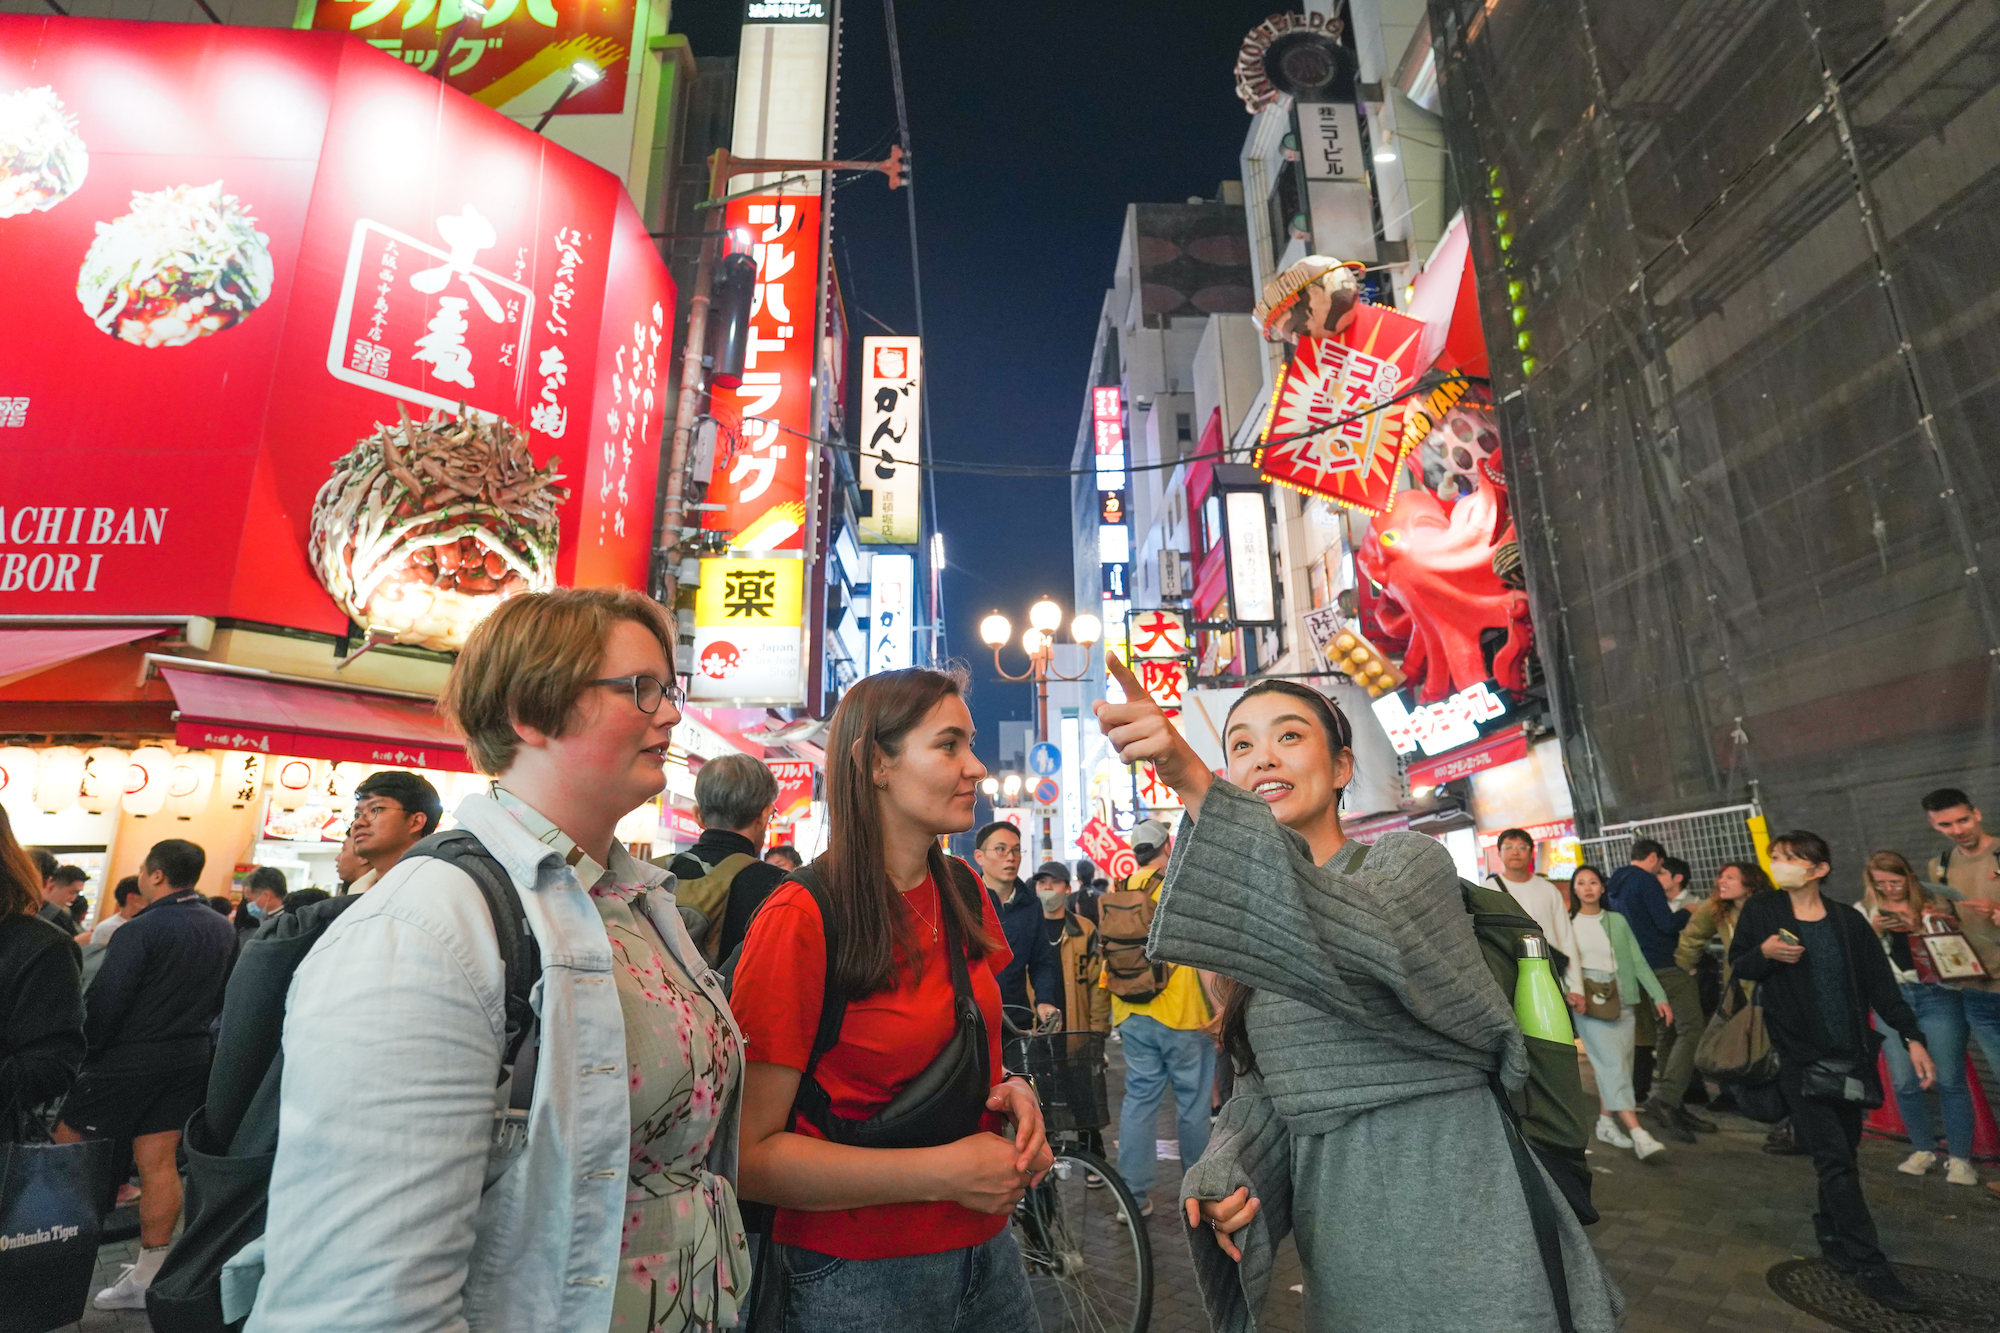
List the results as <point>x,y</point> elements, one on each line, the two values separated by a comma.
<point>1435,564</point>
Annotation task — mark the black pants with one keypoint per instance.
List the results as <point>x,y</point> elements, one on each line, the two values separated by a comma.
<point>1830,1134</point>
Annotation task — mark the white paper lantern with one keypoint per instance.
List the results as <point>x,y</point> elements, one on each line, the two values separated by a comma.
<point>146,780</point>
<point>58,779</point>
<point>17,773</point>
<point>291,782</point>
<point>241,777</point>
<point>190,783</point>
<point>346,777</point>
<point>103,779</point>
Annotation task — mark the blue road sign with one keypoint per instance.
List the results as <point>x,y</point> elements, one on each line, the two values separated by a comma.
<point>1047,792</point>
<point>1045,759</point>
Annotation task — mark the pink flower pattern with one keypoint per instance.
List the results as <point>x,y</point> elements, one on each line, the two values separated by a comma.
<point>680,1241</point>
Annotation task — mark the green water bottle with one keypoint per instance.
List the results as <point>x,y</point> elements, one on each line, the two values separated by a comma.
<point>1538,1000</point>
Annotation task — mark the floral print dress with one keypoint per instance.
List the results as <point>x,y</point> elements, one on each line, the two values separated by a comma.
<point>683,1264</point>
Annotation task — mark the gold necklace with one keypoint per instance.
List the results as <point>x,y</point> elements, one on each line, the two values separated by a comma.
<point>911,903</point>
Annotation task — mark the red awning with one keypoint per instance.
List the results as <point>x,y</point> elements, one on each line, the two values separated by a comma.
<point>1491,752</point>
<point>23,652</point>
<point>228,712</point>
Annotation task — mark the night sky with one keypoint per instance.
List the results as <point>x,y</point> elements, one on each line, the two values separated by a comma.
<point>1033,126</point>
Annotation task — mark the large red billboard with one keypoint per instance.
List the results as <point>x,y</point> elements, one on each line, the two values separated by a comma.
<point>237,260</point>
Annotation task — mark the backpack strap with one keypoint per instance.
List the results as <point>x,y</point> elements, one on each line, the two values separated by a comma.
<point>520,955</point>
<point>1541,1208</point>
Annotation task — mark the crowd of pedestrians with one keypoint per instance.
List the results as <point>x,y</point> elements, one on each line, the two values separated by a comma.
<point>580,1090</point>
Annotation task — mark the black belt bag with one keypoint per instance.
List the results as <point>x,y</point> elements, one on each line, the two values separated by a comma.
<point>945,1102</point>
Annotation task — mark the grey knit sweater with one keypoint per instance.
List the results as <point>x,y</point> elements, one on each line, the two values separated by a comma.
<point>1371,1128</point>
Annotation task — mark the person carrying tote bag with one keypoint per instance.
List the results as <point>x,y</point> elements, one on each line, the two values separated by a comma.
<point>50,1193</point>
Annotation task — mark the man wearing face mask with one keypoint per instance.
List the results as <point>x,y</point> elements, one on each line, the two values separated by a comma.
<point>1085,1006</point>
<point>263,896</point>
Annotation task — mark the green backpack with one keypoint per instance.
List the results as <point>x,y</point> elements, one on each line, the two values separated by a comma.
<point>1556,1116</point>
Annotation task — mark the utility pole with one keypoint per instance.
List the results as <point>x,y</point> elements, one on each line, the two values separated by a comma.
<point>721,167</point>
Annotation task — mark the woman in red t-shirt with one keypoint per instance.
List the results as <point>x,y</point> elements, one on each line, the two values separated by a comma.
<point>870,1237</point>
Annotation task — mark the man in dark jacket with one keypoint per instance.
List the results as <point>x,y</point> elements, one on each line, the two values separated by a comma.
<point>147,1020</point>
<point>1817,988</point>
<point>997,848</point>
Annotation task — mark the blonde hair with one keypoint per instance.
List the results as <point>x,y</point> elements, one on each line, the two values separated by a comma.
<point>529,661</point>
<point>1890,863</point>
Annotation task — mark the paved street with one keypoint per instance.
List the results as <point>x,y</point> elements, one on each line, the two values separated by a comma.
<point>1689,1238</point>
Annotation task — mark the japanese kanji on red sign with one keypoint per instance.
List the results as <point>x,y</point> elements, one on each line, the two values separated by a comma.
<point>370,244</point>
<point>1321,436</point>
<point>1108,848</point>
<point>765,423</point>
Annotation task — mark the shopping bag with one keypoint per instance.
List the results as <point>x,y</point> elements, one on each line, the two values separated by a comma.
<point>48,1230</point>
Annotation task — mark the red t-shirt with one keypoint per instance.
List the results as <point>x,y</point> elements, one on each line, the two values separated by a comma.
<point>886,1040</point>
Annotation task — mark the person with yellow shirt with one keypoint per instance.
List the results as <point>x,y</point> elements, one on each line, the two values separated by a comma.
<point>1165,1038</point>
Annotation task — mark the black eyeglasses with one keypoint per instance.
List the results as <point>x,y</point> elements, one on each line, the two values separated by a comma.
<point>647,691</point>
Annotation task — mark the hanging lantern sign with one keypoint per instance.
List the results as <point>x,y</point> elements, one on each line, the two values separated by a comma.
<point>291,782</point>
<point>103,779</point>
<point>17,772</point>
<point>146,780</point>
<point>59,779</point>
<point>242,777</point>
<point>190,782</point>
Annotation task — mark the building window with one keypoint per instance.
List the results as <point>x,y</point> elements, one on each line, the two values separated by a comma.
<point>1184,427</point>
<point>1211,522</point>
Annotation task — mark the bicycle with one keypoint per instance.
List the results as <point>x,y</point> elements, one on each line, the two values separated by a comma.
<point>1089,1260</point>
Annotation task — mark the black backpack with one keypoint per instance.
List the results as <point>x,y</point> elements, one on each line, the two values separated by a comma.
<point>232,1140</point>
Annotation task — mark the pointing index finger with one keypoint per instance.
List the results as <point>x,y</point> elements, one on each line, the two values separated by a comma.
<point>1121,673</point>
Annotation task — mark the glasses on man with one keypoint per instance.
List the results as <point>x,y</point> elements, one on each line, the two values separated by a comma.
<point>646,691</point>
<point>367,810</point>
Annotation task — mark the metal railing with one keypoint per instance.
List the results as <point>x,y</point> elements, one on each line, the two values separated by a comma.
<point>1706,839</point>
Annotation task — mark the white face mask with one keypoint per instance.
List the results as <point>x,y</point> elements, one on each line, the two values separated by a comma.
<point>1052,899</point>
<point>1789,874</point>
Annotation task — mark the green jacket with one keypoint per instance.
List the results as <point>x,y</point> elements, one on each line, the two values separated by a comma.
<point>1633,970</point>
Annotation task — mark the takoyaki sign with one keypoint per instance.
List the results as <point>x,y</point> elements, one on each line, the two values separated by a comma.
<point>357,347</point>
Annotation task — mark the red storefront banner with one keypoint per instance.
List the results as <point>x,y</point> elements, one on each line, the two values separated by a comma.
<point>765,423</point>
<point>1320,436</point>
<point>517,51</point>
<point>1492,752</point>
<point>366,242</point>
<point>795,786</point>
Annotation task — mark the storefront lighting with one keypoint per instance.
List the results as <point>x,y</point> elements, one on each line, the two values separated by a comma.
<point>17,772</point>
<point>146,780</point>
<point>103,779</point>
<point>58,779</point>
<point>190,782</point>
<point>290,783</point>
<point>242,777</point>
<point>994,631</point>
<point>586,74</point>
<point>1384,155</point>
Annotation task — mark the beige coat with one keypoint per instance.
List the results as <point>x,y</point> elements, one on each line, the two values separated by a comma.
<point>1085,1005</point>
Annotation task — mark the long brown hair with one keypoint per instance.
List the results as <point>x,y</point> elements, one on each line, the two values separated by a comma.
<point>20,884</point>
<point>1233,1029</point>
<point>870,920</point>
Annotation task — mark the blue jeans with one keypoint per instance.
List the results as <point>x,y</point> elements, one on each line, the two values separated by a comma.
<point>1949,1017</point>
<point>1156,1055</point>
<point>982,1289</point>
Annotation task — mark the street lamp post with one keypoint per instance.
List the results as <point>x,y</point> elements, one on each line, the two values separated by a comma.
<point>1039,643</point>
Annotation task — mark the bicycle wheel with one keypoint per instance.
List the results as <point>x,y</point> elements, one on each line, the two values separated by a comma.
<point>1090,1263</point>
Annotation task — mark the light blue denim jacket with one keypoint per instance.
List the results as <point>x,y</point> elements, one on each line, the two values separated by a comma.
<point>390,1210</point>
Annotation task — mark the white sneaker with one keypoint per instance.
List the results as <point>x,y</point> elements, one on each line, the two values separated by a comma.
<point>128,1293</point>
<point>1918,1164</point>
<point>1609,1132</point>
<point>1645,1145</point>
<point>1958,1171</point>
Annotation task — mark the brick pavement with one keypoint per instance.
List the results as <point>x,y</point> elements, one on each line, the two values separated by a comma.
<point>1688,1238</point>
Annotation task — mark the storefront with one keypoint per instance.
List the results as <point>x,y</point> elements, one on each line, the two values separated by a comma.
<point>419,368</point>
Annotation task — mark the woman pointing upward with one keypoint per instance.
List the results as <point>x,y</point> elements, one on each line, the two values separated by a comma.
<point>1365,1028</point>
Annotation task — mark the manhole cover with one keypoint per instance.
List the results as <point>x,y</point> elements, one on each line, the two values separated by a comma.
<point>1953,1302</point>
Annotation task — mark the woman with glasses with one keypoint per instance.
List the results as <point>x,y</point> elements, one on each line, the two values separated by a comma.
<point>394,1203</point>
<point>1367,1034</point>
